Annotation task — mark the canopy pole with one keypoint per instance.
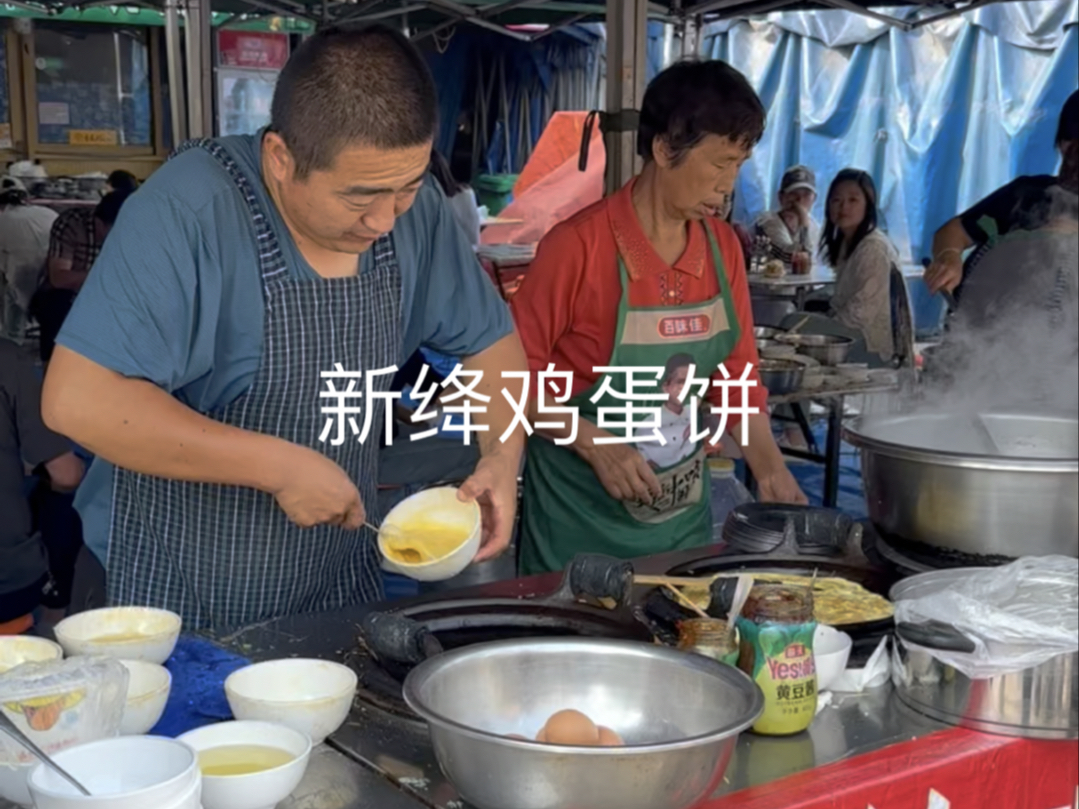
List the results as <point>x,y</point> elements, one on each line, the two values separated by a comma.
<point>175,72</point>
<point>627,29</point>
<point>199,69</point>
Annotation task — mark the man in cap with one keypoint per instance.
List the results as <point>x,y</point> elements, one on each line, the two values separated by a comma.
<point>792,233</point>
<point>192,363</point>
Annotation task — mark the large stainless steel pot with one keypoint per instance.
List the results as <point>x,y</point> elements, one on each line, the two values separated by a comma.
<point>1037,703</point>
<point>680,715</point>
<point>932,479</point>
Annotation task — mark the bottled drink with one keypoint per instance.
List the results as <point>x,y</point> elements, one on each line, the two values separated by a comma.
<point>727,493</point>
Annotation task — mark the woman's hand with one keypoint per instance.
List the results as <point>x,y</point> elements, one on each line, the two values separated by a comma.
<point>781,487</point>
<point>623,471</point>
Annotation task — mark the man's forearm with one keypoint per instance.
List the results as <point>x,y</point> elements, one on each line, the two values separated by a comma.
<point>505,355</point>
<point>135,424</point>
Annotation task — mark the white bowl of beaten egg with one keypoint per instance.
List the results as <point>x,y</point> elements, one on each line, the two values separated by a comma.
<point>430,536</point>
<point>126,633</point>
<point>248,765</point>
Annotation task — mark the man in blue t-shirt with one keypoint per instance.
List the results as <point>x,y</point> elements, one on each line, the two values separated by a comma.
<point>247,267</point>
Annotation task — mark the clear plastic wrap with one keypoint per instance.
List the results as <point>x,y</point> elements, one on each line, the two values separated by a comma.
<point>1018,616</point>
<point>57,704</point>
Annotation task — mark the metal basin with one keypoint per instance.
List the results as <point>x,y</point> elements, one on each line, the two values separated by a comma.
<point>781,377</point>
<point>679,714</point>
<point>1039,703</point>
<point>826,349</point>
<point>932,479</point>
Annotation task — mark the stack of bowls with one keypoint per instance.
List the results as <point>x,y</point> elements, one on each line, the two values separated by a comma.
<point>759,528</point>
<point>142,638</point>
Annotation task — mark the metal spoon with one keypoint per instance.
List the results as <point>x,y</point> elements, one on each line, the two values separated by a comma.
<point>13,731</point>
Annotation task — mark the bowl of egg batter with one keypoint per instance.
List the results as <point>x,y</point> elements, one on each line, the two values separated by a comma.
<point>126,633</point>
<point>430,536</point>
<point>248,765</point>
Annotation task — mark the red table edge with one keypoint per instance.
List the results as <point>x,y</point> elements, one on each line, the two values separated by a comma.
<point>982,770</point>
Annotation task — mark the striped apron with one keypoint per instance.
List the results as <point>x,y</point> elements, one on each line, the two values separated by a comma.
<point>228,556</point>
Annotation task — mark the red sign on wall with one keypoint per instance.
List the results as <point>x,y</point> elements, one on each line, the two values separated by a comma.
<point>252,49</point>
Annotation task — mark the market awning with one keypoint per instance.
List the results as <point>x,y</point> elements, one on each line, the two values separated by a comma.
<point>429,17</point>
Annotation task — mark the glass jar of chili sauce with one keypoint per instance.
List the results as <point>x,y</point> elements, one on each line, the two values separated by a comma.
<point>776,629</point>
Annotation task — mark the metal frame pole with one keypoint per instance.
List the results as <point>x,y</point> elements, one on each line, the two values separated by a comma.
<point>175,72</point>
<point>627,29</point>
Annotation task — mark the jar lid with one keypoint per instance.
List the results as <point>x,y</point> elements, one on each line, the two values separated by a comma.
<point>721,466</point>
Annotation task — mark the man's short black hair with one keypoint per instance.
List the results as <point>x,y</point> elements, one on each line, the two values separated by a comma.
<point>693,99</point>
<point>1068,129</point>
<point>109,208</point>
<point>353,85</point>
<point>121,180</point>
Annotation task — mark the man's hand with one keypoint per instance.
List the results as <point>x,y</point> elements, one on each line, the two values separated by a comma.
<point>493,485</point>
<point>945,273</point>
<point>781,487</point>
<point>622,470</point>
<point>316,491</point>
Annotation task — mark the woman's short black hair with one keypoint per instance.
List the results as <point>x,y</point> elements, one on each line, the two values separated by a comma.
<point>353,85</point>
<point>121,180</point>
<point>440,170</point>
<point>693,99</point>
<point>109,208</point>
<point>675,362</point>
<point>831,242</point>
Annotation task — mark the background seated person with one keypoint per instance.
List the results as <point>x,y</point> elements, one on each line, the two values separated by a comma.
<point>862,257</point>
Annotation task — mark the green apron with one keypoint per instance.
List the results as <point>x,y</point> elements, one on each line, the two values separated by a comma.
<point>566,510</point>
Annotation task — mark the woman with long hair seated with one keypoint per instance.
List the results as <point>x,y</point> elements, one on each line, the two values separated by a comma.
<point>853,244</point>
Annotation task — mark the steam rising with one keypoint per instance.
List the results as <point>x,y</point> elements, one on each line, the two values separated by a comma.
<point>1013,347</point>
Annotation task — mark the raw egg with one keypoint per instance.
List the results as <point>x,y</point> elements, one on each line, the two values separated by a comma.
<point>571,728</point>
<point>608,738</point>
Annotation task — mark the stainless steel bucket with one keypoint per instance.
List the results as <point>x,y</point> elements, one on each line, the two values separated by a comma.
<point>929,480</point>
<point>1037,703</point>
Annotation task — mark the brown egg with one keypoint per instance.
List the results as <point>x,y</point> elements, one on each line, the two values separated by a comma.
<point>542,735</point>
<point>516,737</point>
<point>608,738</point>
<point>571,728</point>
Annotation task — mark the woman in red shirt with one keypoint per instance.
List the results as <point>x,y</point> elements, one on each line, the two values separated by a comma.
<point>635,280</point>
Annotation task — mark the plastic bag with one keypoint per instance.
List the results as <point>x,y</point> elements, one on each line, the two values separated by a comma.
<point>58,705</point>
<point>1018,616</point>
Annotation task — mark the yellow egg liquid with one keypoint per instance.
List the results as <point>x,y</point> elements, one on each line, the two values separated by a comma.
<point>119,637</point>
<point>422,541</point>
<point>242,759</point>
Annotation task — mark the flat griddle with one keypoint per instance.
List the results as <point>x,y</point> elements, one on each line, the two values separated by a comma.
<point>873,580</point>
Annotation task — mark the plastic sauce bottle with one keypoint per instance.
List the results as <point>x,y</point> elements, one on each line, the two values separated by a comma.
<point>776,629</point>
<point>726,494</point>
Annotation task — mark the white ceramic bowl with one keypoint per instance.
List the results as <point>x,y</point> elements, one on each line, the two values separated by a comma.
<point>131,772</point>
<point>440,506</point>
<point>261,790</point>
<point>128,633</point>
<point>310,696</point>
<point>831,651</point>
<point>853,371</point>
<point>18,649</point>
<point>148,688</point>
